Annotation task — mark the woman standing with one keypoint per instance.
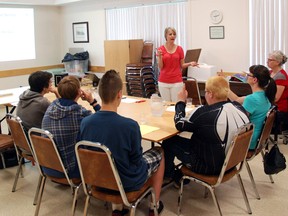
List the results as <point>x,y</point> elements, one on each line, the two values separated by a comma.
<point>171,62</point>
<point>275,61</point>
<point>259,102</point>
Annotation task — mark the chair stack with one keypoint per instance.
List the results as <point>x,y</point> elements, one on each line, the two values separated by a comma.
<point>140,78</point>
<point>141,82</point>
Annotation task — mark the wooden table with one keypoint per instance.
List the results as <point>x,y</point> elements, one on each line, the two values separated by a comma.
<point>138,111</point>
<point>153,128</point>
<point>10,97</point>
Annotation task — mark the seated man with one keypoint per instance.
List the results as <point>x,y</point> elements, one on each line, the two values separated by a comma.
<point>32,104</point>
<point>123,137</point>
<point>63,118</point>
<point>213,127</point>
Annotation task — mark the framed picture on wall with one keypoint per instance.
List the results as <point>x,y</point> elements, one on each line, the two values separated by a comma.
<point>80,32</point>
<point>216,32</point>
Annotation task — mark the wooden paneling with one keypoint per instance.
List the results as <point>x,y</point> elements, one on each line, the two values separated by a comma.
<point>118,53</point>
<point>24,71</point>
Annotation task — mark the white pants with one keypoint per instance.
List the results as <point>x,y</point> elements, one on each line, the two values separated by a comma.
<point>169,91</point>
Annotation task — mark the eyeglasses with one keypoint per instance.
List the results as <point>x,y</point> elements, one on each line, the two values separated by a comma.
<point>250,75</point>
<point>270,60</point>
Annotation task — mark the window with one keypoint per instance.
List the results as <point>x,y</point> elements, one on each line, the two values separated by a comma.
<point>147,22</point>
<point>17,39</point>
<point>268,29</point>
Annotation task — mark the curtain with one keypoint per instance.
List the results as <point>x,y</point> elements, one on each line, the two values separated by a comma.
<point>147,23</point>
<point>268,29</point>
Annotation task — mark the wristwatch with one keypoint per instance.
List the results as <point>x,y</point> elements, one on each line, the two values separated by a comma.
<point>93,102</point>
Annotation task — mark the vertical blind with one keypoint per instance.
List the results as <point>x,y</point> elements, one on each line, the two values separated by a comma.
<point>268,29</point>
<point>147,22</point>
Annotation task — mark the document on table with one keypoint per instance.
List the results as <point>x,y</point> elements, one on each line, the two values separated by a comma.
<point>129,100</point>
<point>145,129</point>
<point>172,109</point>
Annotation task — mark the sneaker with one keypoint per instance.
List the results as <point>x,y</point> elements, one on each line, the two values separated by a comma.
<point>177,177</point>
<point>160,209</point>
<point>120,213</point>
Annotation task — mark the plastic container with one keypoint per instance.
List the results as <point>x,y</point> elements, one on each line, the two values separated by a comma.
<point>157,105</point>
<point>76,67</point>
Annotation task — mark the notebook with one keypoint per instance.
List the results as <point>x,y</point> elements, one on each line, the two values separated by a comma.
<point>192,55</point>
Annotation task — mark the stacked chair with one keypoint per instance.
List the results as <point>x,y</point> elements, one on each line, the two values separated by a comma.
<point>140,77</point>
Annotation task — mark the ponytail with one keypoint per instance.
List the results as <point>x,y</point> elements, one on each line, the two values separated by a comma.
<point>265,81</point>
<point>270,90</point>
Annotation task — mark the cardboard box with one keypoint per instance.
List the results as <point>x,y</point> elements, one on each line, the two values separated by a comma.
<point>201,73</point>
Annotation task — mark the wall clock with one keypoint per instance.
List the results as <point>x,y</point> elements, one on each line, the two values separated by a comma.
<point>216,16</point>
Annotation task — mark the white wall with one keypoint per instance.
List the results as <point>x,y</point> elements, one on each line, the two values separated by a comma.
<point>13,82</point>
<point>54,36</point>
<point>97,32</point>
<point>230,53</point>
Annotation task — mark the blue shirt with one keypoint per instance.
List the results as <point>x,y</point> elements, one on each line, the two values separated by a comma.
<point>257,104</point>
<point>123,137</point>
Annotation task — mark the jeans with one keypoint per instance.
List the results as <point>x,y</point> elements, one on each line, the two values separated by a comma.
<point>177,147</point>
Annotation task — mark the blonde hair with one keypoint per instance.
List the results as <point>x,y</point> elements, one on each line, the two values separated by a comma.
<point>166,31</point>
<point>219,87</point>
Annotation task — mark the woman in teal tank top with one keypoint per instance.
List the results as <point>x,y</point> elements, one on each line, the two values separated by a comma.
<point>259,102</point>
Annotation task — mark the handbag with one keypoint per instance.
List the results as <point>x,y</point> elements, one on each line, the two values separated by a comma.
<point>274,160</point>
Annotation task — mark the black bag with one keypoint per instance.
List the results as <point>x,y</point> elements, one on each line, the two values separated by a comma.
<point>10,158</point>
<point>274,161</point>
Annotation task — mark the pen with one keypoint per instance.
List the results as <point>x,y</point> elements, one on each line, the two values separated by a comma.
<point>140,101</point>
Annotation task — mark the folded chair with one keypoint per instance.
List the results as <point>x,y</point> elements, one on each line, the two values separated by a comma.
<point>232,166</point>
<point>47,155</point>
<point>261,144</point>
<point>101,179</point>
<point>22,146</point>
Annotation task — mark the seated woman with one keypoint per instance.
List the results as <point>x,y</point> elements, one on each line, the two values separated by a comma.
<point>275,61</point>
<point>259,102</point>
